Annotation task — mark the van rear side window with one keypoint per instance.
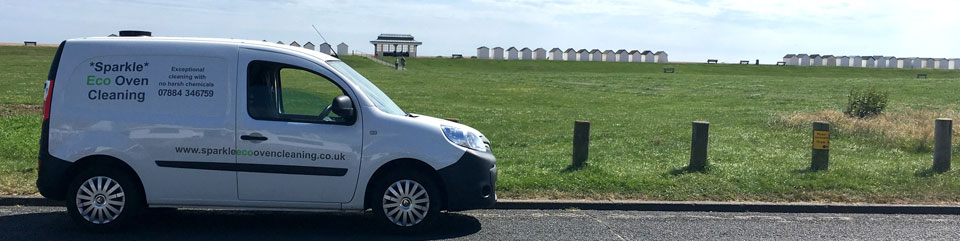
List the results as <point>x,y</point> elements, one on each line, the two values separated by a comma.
<point>281,92</point>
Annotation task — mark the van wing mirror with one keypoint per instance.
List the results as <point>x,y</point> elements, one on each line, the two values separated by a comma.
<point>343,107</point>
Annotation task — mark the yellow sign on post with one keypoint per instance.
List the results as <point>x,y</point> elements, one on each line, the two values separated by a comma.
<point>821,140</point>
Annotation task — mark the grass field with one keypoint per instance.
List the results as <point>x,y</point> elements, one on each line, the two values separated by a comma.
<point>641,120</point>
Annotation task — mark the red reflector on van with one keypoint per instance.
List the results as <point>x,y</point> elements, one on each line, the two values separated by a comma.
<point>47,99</point>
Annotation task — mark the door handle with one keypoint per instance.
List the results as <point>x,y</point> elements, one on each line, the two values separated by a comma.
<point>253,138</point>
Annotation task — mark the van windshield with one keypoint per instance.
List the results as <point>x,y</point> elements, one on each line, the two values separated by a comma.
<point>381,100</point>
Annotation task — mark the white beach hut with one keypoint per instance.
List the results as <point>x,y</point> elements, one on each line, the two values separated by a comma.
<point>325,48</point>
<point>790,59</point>
<point>804,59</point>
<point>512,54</point>
<point>556,54</point>
<point>583,55</point>
<point>526,54</point>
<point>647,56</point>
<point>497,53</point>
<point>829,60</point>
<point>571,54</point>
<point>309,46</point>
<point>483,52</point>
<point>661,57</point>
<point>623,55</point>
<point>816,60</point>
<point>596,55</point>
<point>609,56</point>
<point>635,56</point>
<point>844,61</point>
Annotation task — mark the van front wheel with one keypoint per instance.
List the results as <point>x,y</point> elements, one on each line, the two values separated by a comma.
<point>406,201</point>
<point>103,199</point>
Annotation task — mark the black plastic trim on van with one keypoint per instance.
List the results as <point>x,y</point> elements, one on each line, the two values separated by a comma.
<point>471,181</point>
<point>51,171</point>
<point>261,168</point>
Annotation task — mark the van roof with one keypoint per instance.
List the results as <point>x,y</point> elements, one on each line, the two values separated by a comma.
<point>239,42</point>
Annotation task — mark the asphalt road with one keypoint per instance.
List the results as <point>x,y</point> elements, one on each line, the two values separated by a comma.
<point>52,223</point>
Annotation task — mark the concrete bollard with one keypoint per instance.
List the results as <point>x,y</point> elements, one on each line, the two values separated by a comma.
<point>698,146</point>
<point>581,142</point>
<point>821,146</point>
<point>941,144</point>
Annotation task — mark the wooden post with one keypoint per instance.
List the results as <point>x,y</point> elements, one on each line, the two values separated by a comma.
<point>581,142</point>
<point>821,146</point>
<point>941,144</point>
<point>698,147</point>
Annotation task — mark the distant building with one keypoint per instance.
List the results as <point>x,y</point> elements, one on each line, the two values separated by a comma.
<point>856,61</point>
<point>929,63</point>
<point>956,63</point>
<point>790,59</point>
<point>343,49</point>
<point>596,55</point>
<point>844,61</point>
<point>942,63</point>
<point>280,43</point>
<point>483,52</point>
<point>584,55</point>
<point>556,54</point>
<point>647,56</point>
<point>609,56</point>
<point>395,45</point>
<point>540,54</point>
<point>816,60</point>
<point>325,48</point>
<point>869,62</point>
<point>623,55</point>
<point>309,46</point>
<point>635,56</point>
<point>512,54</point>
<point>526,54</point>
<point>661,57</point>
<point>295,44</point>
<point>916,63</point>
<point>497,53</point>
<point>829,60</point>
<point>804,59</point>
<point>882,61</point>
<point>571,54</point>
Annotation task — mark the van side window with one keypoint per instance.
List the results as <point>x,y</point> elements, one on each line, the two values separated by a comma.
<point>281,92</point>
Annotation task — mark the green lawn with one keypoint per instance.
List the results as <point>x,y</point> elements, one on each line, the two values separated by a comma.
<point>641,121</point>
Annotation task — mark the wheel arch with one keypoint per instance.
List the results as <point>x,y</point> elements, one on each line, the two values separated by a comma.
<point>401,164</point>
<point>102,161</point>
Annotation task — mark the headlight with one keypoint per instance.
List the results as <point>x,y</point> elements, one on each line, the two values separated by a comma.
<point>468,139</point>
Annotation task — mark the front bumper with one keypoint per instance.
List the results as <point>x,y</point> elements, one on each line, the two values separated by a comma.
<point>471,181</point>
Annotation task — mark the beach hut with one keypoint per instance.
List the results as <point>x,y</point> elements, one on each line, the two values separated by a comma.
<point>844,61</point>
<point>280,42</point>
<point>512,54</point>
<point>295,44</point>
<point>526,54</point>
<point>309,46</point>
<point>556,54</point>
<point>583,54</point>
<point>623,55</point>
<point>596,55</point>
<point>343,49</point>
<point>571,54</point>
<point>609,56</point>
<point>790,59</point>
<point>325,48</point>
<point>661,57</point>
<point>956,63</point>
<point>635,56</point>
<point>943,63</point>
<point>647,56</point>
<point>916,63</point>
<point>829,60</point>
<point>928,63</point>
<point>869,61</point>
<point>804,59</point>
<point>816,60</point>
<point>856,61</point>
<point>497,53</point>
<point>483,52</point>
<point>882,61</point>
<point>540,54</point>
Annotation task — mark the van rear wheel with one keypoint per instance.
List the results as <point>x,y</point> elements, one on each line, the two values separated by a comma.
<point>406,201</point>
<point>103,199</point>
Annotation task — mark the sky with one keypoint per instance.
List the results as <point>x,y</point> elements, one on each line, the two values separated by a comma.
<point>689,30</point>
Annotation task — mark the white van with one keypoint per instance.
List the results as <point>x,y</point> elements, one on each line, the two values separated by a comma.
<point>140,122</point>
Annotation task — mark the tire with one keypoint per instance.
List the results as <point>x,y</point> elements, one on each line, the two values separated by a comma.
<point>104,199</point>
<point>405,201</point>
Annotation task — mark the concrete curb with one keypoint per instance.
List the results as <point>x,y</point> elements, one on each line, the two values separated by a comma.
<point>38,201</point>
<point>728,207</point>
<point>665,206</point>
